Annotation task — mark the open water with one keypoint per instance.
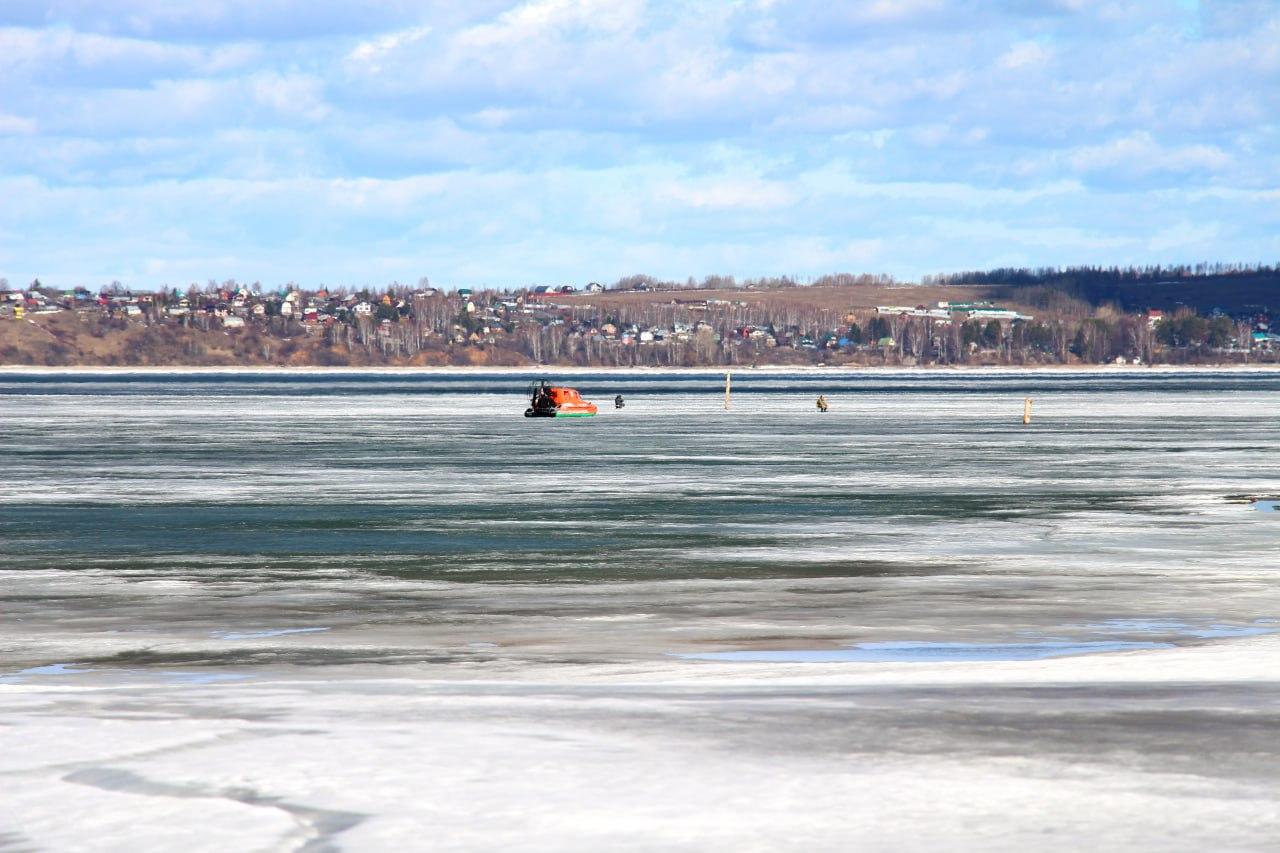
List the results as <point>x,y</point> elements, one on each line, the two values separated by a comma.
<point>341,611</point>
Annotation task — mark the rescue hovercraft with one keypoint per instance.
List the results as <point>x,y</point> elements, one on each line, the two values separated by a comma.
<point>553,401</point>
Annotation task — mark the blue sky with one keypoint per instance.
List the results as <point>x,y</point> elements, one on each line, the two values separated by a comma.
<point>168,141</point>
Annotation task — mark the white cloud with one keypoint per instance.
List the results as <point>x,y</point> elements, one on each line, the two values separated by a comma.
<point>445,225</point>
<point>1186,237</point>
<point>11,125</point>
<point>1026,54</point>
<point>291,94</point>
<point>729,193</point>
<point>60,50</point>
<point>494,117</point>
<point>1139,153</point>
<point>938,135</point>
<point>201,20</point>
<point>543,19</point>
<point>895,10</point>
<point>371,53</point>
<point>832,118</point>
<point>696,137</point>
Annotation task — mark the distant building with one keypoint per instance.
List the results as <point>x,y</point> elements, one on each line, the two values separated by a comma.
<point>916,311</point>
<point>997,314</point>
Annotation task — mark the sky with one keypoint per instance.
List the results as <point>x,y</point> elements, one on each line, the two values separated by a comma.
<point>354,142</point>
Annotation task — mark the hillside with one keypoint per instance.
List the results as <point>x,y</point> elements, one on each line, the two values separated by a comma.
<point>840,299</point>
<point>1007,317</point>
<point>73,338</point>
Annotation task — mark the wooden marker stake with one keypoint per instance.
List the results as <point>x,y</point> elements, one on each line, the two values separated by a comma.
<point>1026,411</point>
<point>726,391</point>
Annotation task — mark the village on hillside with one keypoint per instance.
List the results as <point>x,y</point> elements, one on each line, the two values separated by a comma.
<point>636,322</point>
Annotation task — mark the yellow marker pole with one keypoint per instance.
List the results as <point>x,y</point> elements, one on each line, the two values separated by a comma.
<point>726,390</point>
<point>1026,411</point>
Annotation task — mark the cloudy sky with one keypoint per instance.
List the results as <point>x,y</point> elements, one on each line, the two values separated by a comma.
<point>488,142</point>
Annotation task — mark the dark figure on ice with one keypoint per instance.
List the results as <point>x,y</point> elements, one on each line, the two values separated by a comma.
<point>617,402</point>
<point>541,404</point>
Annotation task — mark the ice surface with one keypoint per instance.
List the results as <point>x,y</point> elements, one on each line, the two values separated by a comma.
<point>1039,755</point>
<point>332,612</point>
<point>49,669</point>
<point>266,632</point>
<point>907,652</point>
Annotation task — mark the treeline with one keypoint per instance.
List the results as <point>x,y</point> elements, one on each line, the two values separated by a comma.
<point>729,282</point>
<point>1230,288</point>
<point>1086,276</point>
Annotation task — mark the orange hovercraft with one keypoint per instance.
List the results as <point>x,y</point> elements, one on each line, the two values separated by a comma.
<point>552,401</point>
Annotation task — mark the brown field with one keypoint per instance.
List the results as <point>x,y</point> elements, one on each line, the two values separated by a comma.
<point>839,299</point>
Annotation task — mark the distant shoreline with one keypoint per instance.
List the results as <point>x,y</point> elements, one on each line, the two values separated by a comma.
<point>1103,369</point>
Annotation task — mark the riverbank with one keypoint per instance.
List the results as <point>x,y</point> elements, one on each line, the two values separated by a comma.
<point>557,335</point>
<point>575,370</point>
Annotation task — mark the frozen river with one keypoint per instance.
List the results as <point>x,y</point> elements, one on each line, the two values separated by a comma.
<point>385,611</point>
